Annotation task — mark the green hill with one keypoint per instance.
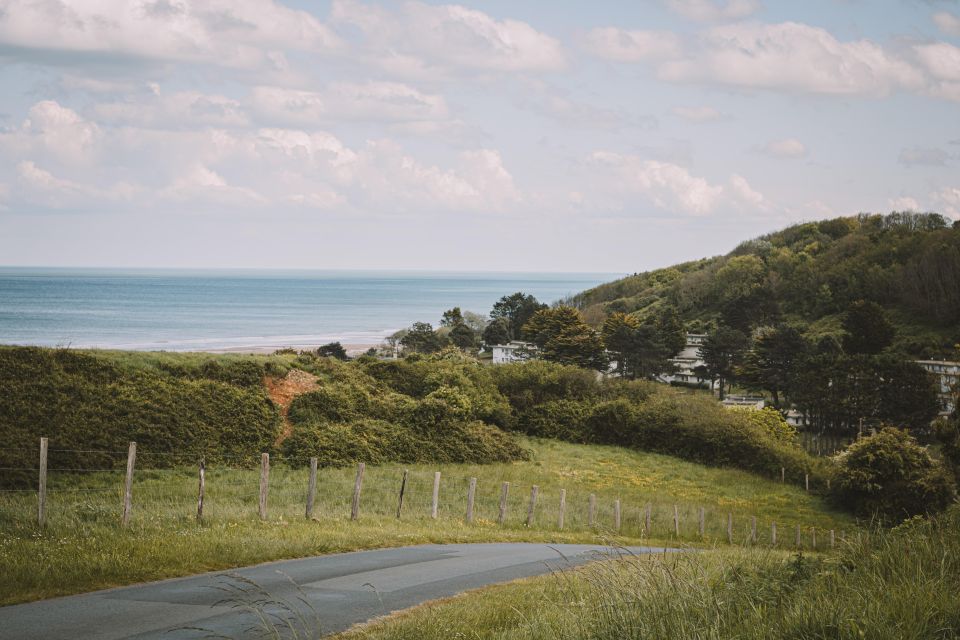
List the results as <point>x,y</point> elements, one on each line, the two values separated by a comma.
<point>808,275</point>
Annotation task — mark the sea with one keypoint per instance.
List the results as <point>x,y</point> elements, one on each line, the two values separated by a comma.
<point>246,310</point>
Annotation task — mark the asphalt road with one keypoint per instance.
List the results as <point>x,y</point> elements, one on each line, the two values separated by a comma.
<point>302,598</point>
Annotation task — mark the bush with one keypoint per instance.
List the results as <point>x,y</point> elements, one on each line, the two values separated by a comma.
<point>560,419</point>
<point>891,477</point>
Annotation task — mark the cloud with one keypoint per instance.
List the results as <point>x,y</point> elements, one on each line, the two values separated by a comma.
<point>230,33</point>
<point>949,200</point>
<point>372,101</point>
<point>942,60</point>
<point>547,100</point>
<point>200,184</point>
<point>673,188</point>
<point>948,23</point>
<point>621,45</point>
<point>920,156</point>
<point>785,148</point>
<point>904,203</point>
<point>178,110</point>
<point>417,39</point>
<point>714,10</point>
<point>697,114</point>
<point>42,187</point>
<point>54,131</point>
<point>793,57</point>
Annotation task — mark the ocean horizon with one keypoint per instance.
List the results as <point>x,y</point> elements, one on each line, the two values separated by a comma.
<point>149,309</point>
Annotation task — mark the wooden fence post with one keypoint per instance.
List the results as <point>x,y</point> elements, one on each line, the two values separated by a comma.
<point>311,488</point>
<point>264,483</point>
<point>592,512</point>
<point>753,529</point>
<point>616,515</point>
<point>676,521</point>
<point>646,522</point>
<point>403,488</point>
<point>534,490</point>
<point>783,474</point>
<point>435,504</point>
<point>730,528</point>
<point>128,485</point>
<point>563,508</point>
<point>42,485</point>
<point>806,481</point>
<point>773,534</point>
<point>201,489</point>
<point>504,492</point>
<point>471,492</point>
<point>798,536</point>
<point>702,521</point>
<point>357,485</point>
<point>813,533</point>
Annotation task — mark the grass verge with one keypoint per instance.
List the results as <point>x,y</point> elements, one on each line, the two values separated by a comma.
<point>82,548</point>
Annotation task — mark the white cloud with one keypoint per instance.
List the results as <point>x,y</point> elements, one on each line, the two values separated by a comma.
<point>177,110</point>
<point>418,38</point>
<point>673,188</point>
<point>714,10</point>
<point>942,60</point>
<point>621,45</point>
<point>948,23</point>
<point>230,33</point>
<point>62,131</point>
<point>374,101</point>
<point>904,203</point>
<point>949,200</point>
<point>785,148</point>
<point>794,57</point>
<point>200,184</point>
<point>42,187</point>
<point>697,114</point>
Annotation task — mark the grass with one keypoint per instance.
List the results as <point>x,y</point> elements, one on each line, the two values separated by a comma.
<point>82,548</point>
<point>902,585</point>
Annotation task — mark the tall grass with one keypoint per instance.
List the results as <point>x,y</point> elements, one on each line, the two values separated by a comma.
<point>902,584</point>
<point>82,547</point>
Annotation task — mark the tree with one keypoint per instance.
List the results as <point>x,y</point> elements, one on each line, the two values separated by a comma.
<point>908,395</point>
<point>867,329</point>
<point>771,364</point>
<point>463,336</point>
<point>562,336</point>
<point>421,338</point>
<point>333,350</point>
<point>497,332</point>
<point>722,351</point>
<point>672,333</point>
<point>451,317</point>
<point>475,321</point>
<point>890,476</point>
<point>619,335</point>
<point>516,309</point>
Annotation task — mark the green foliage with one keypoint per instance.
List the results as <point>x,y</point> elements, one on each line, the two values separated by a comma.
<point>333,350</point>
<point>908,264</point>
<point>497,332</point>
<point>772,422</point>
<point>562,336</point>
<point>96,400</point>
<point>421,338</point>
<point>516,309</point>
<point>722,352</point>
<point>772,363</point>
<point>867,330</point>
<point>891,477</point>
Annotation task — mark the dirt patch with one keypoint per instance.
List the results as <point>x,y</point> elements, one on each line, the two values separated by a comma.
<point>283,390</point>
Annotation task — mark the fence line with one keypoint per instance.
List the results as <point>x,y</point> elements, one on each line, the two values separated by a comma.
<point>420,497</point>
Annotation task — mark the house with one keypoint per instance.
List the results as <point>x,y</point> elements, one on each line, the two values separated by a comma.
<point>513,351</point>
<point>686,363</point>
<point>947,374</point>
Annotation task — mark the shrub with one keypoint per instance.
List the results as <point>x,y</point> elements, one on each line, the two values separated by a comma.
<point>561,419</point>
<point>528,384</point>
<point>891,477</point>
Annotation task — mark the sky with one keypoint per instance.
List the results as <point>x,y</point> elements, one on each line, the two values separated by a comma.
<point>602,136</point>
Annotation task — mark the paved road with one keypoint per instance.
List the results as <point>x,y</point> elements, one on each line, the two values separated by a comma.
<point>325,593</point>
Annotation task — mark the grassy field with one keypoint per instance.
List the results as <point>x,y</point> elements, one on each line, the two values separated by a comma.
<point>82,547</point>
<point>902,585</point>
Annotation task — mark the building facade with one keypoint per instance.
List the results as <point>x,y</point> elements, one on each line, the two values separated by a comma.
<point>947,374</point>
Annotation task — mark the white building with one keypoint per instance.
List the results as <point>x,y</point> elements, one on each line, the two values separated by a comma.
<point>686,363</point>
<point>513,351</point>
<point>948,382</point>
